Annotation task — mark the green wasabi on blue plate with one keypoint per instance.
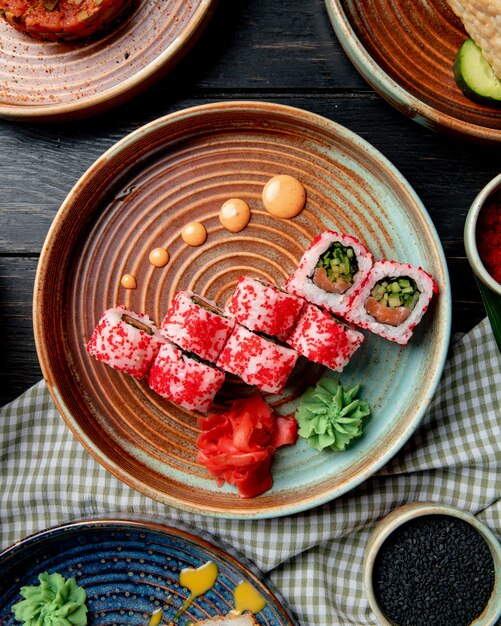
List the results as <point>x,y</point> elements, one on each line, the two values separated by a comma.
<point>55,602</point>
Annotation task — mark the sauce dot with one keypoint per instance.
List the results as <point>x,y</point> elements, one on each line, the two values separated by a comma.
<point>234,215</point>
<point>194,234</point>
<point>128,281</point>
<point>159,257</point>
<point>284,196</point>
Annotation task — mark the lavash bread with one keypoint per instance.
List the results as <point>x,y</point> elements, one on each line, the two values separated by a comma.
<point>482,21</point>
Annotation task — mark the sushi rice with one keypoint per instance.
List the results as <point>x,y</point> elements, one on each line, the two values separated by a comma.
<point>381,270</point>
<point>301,283</point>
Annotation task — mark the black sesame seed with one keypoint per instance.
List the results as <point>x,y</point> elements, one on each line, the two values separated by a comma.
<point>435,570</point>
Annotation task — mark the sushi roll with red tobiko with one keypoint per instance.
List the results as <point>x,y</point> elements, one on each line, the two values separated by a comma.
<point>197,325</point>
<point>126,341</point>
<point>264,308</point>
<point>257,360</point>
<point>60,19</point>
<point>393,300</point>
<point>184,379</point>
<point>322,339</point>
<point>331,271</point>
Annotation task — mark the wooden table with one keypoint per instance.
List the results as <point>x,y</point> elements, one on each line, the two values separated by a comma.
<point>281,51</point>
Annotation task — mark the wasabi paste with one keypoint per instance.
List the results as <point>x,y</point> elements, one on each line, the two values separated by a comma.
<point>330,416</point>
<point>55,602</point>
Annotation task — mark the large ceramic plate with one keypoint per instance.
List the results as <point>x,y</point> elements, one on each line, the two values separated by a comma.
<point>138,196</point>
<point>406,51</point>
<point>42,80</point>
<point>129,569</point>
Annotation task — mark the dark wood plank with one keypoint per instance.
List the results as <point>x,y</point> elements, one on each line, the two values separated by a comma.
<point>45,161</point>
<point>19,368</point>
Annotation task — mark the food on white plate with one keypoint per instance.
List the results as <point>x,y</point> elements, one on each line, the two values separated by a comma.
<point>321,338</point>
<point>474,76</point>
<point>67,20</point>
<point>126,341</point>
<point>184,379</point>
<point>197,325</point>
<point>393,299</point>
<point>331,271</point>
<point>482,21</point>
<point>263,307</point>
<point>257,360</point>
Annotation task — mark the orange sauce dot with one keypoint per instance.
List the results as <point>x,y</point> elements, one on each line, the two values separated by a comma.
<point>128,281</point>
<point>284,196</point>
<point>234,215</point>
<point>159,257</point>
<point>194,234</point>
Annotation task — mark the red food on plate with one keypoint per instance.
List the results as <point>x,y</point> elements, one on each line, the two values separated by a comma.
<point>264,308</point>
<point>197,325</point>
<point>179,377</point>
<point>60,19</point>
<point>257,360</point>
<point>237,446</point>
<point>489,237</point>
<point>126,341</point>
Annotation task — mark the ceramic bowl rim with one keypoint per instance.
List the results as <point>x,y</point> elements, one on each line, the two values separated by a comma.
<point>470,229</point>
<point>407,512</point>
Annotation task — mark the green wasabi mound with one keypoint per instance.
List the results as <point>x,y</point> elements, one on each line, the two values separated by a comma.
<point>55,602</point>
<point>330,416</point>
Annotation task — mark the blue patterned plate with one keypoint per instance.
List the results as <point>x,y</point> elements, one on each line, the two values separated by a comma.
<point>129,569</point>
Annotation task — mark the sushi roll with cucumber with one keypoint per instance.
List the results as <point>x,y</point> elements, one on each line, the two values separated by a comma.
<point>257,360</point>
<point>323,339</point>
<point>197,325</point>
<point>393,300</point>
<point>264,308</point>
<point>331,271</point>
<point>126,341</point>
<point>184,379</point>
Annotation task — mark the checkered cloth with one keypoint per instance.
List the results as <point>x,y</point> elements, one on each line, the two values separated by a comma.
<point>314,558</point>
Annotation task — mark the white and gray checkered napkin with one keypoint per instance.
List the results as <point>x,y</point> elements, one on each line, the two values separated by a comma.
<point>314,558</point>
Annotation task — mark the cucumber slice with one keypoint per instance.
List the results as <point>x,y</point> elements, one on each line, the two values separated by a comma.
<point>474,76</point>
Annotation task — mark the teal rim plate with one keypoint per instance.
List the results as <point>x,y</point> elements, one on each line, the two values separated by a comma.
<point>138,196</point>
<point>405,51</point>
<point>130,568</point>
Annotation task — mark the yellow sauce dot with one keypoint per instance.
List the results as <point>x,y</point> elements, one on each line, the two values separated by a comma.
<point>194,234</point>
<point>159,257</point>
<point>284,196</point>
<point>234,215</point>
<point>128,281</point>
<point>156,618</point>
<point>247,598</point>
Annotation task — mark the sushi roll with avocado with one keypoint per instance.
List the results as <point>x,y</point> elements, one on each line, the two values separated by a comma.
<point>257,360</point>
<point>321,338</point>
<point>184,379</point>
<point>393,300</point>
<point>331,271</point>
<point>197,325</point>
<point>264,308</point>
<point>126,341</point>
